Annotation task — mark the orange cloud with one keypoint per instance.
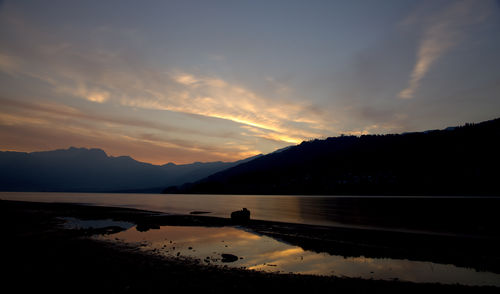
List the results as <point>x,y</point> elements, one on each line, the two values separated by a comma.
<point>113,80</point>
<point>42,126</point>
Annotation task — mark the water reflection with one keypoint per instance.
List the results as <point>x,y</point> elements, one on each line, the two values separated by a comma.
<point>460,215</point>
<point>77,224</point>
<point>267,254</point>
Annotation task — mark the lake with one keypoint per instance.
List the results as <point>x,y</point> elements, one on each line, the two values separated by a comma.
<point>441,215</point>
<point>470,217</point>
<point>262,253</point>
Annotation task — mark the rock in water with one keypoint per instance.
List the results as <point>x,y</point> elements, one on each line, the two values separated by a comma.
<point>229,257</point>
<point>240,216</point>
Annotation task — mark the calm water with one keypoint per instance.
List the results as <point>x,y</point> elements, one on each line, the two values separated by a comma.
<point>266,254</point>
<point>459,215</point>
<point>456,215</point>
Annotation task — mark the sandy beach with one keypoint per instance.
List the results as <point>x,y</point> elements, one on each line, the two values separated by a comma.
<point>41,255</point>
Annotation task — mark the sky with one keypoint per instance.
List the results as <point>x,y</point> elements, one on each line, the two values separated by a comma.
<point>185,81</point>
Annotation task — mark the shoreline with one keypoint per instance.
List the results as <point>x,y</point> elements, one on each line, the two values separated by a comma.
<point>34,240</point>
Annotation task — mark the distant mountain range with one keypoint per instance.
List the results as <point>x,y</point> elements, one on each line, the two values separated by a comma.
<point>92,170</point>
<point>455,161</point>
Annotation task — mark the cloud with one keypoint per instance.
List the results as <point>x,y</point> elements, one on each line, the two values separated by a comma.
<point>55,110</point>
<point>121,77</point>
<point>186,79</point>
<point>99,97</point>
<point>62,126</point>
<point>215,97</point>
<point>38,131</point>
<point>8,64</point>
<point>442,32</point>
<point>37,137</point>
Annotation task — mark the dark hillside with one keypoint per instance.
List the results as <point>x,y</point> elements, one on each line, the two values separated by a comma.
<point>456,161</point>
<point>92,170</point>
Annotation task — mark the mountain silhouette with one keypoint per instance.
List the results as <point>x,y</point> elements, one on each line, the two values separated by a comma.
<point>92,170</point>
<point>461,160</point>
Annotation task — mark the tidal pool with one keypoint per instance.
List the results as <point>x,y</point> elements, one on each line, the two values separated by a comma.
<point>267,254</point>
<point>76,223</point>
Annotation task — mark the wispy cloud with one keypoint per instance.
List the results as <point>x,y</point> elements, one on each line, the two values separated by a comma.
<point>31,126</point>
<point>443,31</point>
<point>218,98</point>
<point>106,76</point>
<point>8,64</point>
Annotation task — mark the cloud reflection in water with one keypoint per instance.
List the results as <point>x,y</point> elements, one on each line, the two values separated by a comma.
<point>266,254</point>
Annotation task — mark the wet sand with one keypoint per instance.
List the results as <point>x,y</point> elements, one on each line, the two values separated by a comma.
<point>40,255</point>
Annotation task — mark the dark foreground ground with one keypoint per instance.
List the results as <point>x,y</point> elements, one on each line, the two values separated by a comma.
<point>37,256</point>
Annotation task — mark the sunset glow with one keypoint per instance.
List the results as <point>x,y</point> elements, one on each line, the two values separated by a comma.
<point>166,81</point>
